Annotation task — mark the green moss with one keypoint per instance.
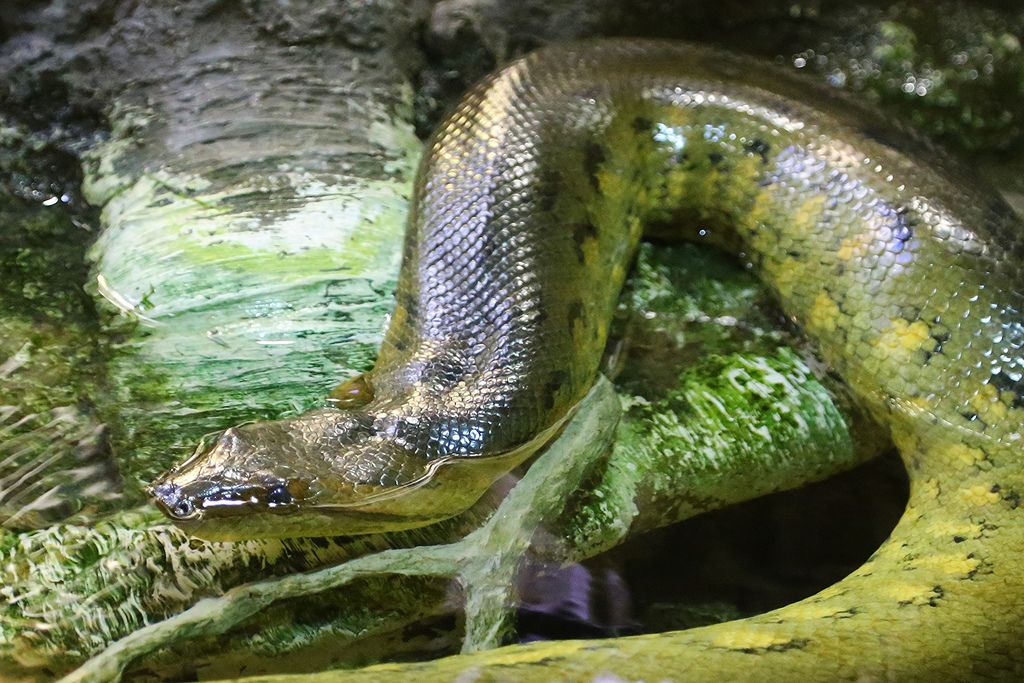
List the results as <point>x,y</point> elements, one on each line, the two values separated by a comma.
<point>952,70</point>
<point>238,299</point>
<point>52,458</point>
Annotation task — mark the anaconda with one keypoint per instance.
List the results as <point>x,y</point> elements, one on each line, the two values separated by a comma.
<point>528,208</point>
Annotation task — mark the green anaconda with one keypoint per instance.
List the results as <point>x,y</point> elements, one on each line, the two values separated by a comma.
<point>529,205</point>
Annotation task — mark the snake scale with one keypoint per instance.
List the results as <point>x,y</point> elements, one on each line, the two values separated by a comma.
<point>529,205</point>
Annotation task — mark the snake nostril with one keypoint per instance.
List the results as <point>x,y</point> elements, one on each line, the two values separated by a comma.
<point>163,491</point>
<point>174,503</point>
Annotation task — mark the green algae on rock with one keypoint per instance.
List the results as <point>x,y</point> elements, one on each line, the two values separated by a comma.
<point>953,71</point>
<point>53,457</point>
<point>710,388</point>
<point>247,298</point>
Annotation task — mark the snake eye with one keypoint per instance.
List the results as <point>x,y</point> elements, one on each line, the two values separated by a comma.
<point>279,495</point>
<point>183,508</point>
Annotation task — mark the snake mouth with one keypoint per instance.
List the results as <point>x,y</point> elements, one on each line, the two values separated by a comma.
<point>195,500</point>
<point>237,515</point>
<point>219,512</point>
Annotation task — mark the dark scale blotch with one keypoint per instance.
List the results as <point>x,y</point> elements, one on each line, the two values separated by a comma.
<point>796,644</point>
<point>959,539</point>
<point>1004,382</point>
<point>593,157</point>
<point>758,147</point>
<point>553,386</point>
<point>574,313</point>
<point>901,230</point>
<point>910,313</point>
<point>340,541</point>
<point>715,158</point>
<point>833,375</point>
<point>553,663</point>
<point>1000,210</point>
<point>406,300</point>
<point>581,234</point>
<point>1011,497</point>
<point>547,190</point>
<point>598,648</point>
<point>642,124</point>
<point>982,567</point>
<point>940,340</point>
<point>540,315</point>
<point>968,415</point>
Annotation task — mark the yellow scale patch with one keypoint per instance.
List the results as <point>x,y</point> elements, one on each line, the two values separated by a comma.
<point>928,488</point>
<point>591,251</point>
<point>824,314</point>
<point>811,610</point>
<point>854,247</point>
<point>552,649</point>
<point>966,455</point>
<point>903,340</point>
<point>991,405</point>
<point>807,218</point>
<point>950,528</point>
<point>979,496</point>
<point>761,209</point>
<point>743,637</point>
<point>786,277</point>
<point>956,566</point>
<point>909,592</point>
<point>847,250</point>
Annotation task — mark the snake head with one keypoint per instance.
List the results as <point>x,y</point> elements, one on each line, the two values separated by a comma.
<point>329,472</point>
<point>232,475</point>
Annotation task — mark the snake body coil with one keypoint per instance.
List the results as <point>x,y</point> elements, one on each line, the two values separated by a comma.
<point>528,209</point>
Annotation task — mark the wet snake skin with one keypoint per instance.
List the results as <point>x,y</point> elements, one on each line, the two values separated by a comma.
<point>529,205</point>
